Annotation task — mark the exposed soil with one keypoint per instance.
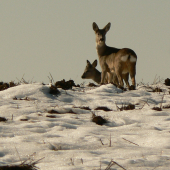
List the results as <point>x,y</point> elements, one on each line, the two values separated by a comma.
<point>103,108</point>
<point>4,86</point>
<point>98,120</point>
<point>128,107</point>
<point>167,82</point>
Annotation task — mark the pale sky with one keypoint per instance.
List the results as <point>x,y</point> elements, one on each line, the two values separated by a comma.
<point>38,37</point>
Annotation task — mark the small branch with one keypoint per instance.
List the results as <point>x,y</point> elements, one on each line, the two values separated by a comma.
<point>81,160</point>
<point>51,77</point>
<point>117,107</point>
<point>110,141</point>
<point>114,163</point>
<point>130,142</point>
<point>101,142</point>
<point>18,154</point>
<point>145,102</point>
<point>118,165</point>
<point>162,100</point>
<point>72,161</point>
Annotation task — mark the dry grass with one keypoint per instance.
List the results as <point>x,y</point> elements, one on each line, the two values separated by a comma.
<point>126,107</point>
<point>23,166</point>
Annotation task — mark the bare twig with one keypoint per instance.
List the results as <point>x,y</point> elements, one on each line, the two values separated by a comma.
<point>145,102</point>
<point>18,154</point>
<point>162,100</point>
<point>101,142</point>
<point>114,163</point>
<point>110,141</point>
<point>130,142</point>
<point>51,77</point>
<point>72,161</point>
<point>81,160</point>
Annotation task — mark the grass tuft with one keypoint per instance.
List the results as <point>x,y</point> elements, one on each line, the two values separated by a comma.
<point>128,107</point>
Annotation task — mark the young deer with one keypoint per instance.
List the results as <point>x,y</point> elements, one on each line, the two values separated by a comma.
<point>91,72</point>
<point>112,60</point>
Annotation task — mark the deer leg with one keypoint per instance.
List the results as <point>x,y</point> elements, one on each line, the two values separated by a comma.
<point>126,79</point>
<point>103,77</point>
<point>110,77</point>
<point>115,80</point>
<point>133,79</point>
<point>120,79</point>
<point>132,75</point>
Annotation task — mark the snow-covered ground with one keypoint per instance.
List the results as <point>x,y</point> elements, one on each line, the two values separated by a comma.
<point>136,139</point>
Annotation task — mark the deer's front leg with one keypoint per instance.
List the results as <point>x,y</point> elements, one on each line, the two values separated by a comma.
<point>110,77</point>
<point>103,77</point>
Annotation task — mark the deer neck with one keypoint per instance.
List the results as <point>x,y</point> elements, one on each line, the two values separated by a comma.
<point>104,50</point>
<point>101,49</point>
<point>97,77</point>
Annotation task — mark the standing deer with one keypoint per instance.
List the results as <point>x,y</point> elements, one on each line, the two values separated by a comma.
<point>112,60</point>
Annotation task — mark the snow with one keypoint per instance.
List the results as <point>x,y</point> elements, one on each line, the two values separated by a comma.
<point>135,139</point>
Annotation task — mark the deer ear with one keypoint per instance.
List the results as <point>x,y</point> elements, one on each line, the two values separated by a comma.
<point>95,27</point>
<point>88,62</point>
<point>107,27</point>
<point>94,64</point>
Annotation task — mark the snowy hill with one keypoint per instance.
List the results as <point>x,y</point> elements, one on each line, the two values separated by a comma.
<point>137,139</point>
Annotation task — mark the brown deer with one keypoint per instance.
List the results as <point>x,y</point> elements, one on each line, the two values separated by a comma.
<point>121,62</point>
<point>91,72</point>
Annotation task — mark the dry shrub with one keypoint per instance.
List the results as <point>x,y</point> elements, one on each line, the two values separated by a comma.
<point>157,89</point>
<point>65,84</point>
<point>22,166</point>
<point>167,82</point>
<point>18,167</point>
<point>103,108</point>
<point>128,107</point>
<point>3,119</point>
<point>92,85</point>
<point>54,90</point>
<point>4,86</point>
<point>98,119</point>
<point>166,107</point>
<point>157,108</point>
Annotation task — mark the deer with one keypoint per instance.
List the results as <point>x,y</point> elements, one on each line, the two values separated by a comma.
<point>120,62</point>
<point>91,72</point>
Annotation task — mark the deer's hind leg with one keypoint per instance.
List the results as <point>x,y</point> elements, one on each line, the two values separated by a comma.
<point>104,76</point>
<point>126,79</point>
<point>120,79</point>
<point>132,74</point>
